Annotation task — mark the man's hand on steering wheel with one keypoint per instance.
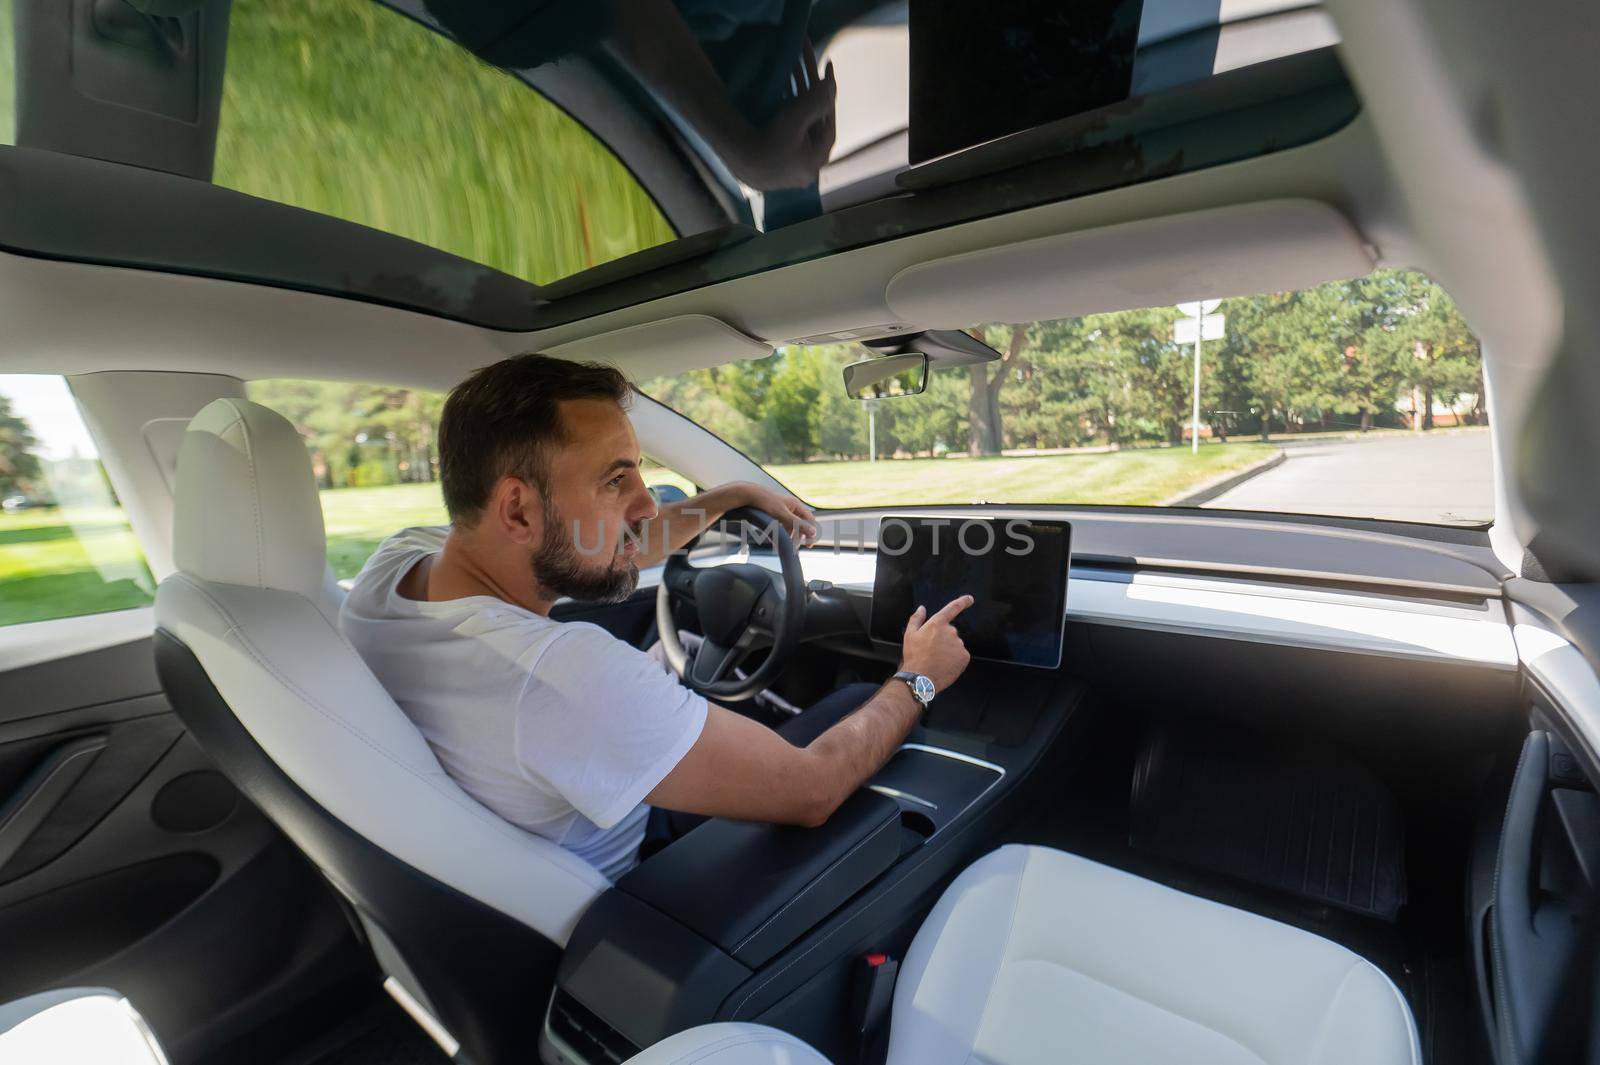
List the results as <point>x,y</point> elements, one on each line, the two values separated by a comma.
<point>798,520</point>
<point>742,607</point>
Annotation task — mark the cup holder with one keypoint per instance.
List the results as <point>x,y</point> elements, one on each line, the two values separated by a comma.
<point>933,787</point>
<point>918,822</point>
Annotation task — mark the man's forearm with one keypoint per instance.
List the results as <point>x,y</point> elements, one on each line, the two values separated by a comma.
<point>857,747</point>
<point>741,769</point>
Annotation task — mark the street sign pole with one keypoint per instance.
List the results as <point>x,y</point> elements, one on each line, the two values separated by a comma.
<point>1197,319</point>
<point>1194,416</point>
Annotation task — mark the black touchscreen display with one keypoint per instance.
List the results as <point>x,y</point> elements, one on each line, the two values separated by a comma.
<point>1015,570</point>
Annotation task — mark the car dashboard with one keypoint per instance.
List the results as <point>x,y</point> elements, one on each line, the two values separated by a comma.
<point>1408,599</point>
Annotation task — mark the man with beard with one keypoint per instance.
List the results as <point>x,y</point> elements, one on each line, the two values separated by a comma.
<point>560,727</point>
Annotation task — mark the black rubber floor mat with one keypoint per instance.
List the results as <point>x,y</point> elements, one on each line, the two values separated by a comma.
<point>1297,820</point>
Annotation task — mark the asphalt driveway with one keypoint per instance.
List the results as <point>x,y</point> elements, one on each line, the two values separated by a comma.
<point>1442,476</point>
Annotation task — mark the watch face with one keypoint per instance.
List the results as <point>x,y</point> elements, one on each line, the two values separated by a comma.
<point>923,687</point>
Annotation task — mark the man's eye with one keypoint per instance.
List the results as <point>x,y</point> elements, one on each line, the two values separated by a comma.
<point>616,482</point>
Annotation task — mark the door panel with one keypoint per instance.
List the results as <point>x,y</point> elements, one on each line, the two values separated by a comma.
<point>1535,885</point>
<point>1539,893</point>
<point>126,860</point>
<point>63,783</point>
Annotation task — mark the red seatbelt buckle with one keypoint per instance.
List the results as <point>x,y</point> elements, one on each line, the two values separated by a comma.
<point>872,995</point>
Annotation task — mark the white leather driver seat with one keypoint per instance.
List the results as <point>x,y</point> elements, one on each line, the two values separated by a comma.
<point>1037,957</point>
<point>465,912</point>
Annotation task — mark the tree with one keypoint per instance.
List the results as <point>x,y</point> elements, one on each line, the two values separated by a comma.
<point>841,426</point>
<point>1290,361</point>
<point>838,423</point>
<point>789,409</point>
<point>1083,383</point>
<point>1446,359</point>
<point>720,399</point>
<point>399,424</point>
<point>1159,372</point>
<point>359,433</point>
<point>930,423</point>
<point>985,433</point>
<point>1371,309</point>
<point>19,466</point>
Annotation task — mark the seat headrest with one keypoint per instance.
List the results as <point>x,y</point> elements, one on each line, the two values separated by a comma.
<point>246,509</point>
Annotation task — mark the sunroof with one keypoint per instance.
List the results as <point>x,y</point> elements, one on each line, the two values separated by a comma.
<point>595,155</point>
<point>780,111</point>
<point>803,108</point>
<point>351,110</point>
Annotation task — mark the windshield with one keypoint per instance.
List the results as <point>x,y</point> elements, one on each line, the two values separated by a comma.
<point>1359,398</point>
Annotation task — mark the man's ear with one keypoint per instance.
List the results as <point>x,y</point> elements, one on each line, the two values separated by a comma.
<point>517,510</point>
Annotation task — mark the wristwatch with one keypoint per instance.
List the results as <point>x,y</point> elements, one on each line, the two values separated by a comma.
<point>921,687</point>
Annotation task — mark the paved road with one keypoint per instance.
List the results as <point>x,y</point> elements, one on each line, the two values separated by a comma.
<point>1443,476</point>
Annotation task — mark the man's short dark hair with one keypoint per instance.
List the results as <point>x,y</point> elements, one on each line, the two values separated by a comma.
<point>503,420</point>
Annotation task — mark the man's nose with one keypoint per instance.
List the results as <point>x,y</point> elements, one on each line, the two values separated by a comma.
<point>644,507</point>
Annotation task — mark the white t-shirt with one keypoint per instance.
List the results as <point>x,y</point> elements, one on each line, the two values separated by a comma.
<point>558,727</point>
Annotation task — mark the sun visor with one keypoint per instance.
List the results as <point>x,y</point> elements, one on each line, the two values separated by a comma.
<point>672,345</point>
<point>1273,246</point>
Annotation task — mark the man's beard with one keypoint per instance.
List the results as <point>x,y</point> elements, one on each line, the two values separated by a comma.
<point>559,568</point>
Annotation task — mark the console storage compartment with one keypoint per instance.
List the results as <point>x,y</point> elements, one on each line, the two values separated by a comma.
<point>753,889</point>
<point>661,950</point>
<point>641,973</point>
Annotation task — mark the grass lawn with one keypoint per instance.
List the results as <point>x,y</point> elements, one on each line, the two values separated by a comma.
<point>1146,476</point>
<point>359,519</point>
<point>70,561</point>
<point>80,560</point>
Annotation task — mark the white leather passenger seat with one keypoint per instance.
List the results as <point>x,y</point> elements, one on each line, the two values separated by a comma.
<point>1038,957</point>
<point>729,1044</point>
<point>1035,956</point>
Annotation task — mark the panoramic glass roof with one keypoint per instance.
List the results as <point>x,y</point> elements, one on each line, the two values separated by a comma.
<point>348,109</point>
<point>807,106</point>
<point>592,155</point>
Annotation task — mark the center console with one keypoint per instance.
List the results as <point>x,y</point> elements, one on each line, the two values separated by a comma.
<point>740,921</point>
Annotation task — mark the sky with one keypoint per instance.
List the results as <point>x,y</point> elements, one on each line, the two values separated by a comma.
<point>49,409</point>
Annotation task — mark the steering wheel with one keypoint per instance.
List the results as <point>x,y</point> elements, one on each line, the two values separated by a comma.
<point>742,608</point>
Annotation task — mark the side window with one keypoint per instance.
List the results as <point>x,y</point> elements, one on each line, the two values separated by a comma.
<point>372,450</point>
<point>656,476</point>
<point>8,77</point>
<point>65,547</point>
<point>349,109</point>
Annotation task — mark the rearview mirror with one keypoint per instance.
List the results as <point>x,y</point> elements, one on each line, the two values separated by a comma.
<point>887,377</point>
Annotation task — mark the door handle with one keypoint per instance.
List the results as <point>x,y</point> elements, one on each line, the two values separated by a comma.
<point>42,790</point>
